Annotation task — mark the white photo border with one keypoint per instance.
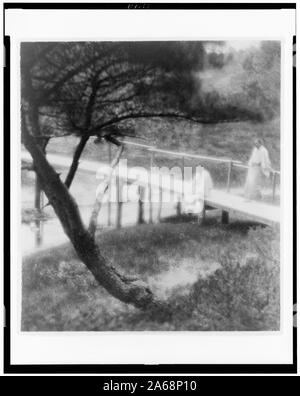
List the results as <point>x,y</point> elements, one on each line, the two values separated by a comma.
<point>151,351</point>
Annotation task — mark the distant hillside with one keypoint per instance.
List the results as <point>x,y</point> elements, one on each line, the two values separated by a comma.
<point>230,140</point>
<point>234,140</point>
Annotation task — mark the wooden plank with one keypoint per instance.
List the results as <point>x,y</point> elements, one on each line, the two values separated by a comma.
<point>258,211</point>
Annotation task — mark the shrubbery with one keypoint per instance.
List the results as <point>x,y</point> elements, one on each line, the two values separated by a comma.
<point>238,288</point>
<point>243,294</point>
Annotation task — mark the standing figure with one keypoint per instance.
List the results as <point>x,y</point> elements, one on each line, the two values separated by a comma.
<point>196,190</point>
<point>259,169</point>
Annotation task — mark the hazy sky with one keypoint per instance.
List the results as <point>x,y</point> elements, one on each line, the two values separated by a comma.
<point>235,44</point>
<point>242,44</point>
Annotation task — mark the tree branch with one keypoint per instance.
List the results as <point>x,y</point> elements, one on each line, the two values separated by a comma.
<point>75,162</point>
<point>98,202</point>
<point>116,120</point>
<point>69,75</point>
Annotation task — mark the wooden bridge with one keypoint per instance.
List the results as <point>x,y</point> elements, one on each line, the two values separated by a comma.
<point>225,200</point>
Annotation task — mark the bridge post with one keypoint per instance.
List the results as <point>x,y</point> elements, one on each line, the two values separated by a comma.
<point>150,189</point>
<point>181,196</point>
<point>178,208</point>
<point>182,178</point>
<point>225,217</point>
<point>203,215</point>
<point>160,199</point>
<point>119,204</point>
<point>141,192</point>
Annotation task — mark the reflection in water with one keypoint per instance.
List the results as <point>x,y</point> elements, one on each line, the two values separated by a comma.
<point>38,233</point>
<point>46,231</point>
<point>36,228</point>
<point>49,232</point>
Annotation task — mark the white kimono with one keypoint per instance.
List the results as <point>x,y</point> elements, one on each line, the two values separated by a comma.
<point>259,168</point>
<point>196,190</point>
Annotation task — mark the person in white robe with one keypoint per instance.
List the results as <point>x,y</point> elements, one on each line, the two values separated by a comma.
<point>259,169</point>
<point>196,190</point>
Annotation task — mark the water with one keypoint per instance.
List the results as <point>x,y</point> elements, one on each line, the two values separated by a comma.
<point>38,235</point>
<point>43,234</point>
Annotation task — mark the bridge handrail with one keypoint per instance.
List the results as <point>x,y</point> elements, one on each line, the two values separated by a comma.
<point>146,146</point>
<point>180,154</point>
<point>196,156</point>
<point>154,149</point>
<point>241,165</point>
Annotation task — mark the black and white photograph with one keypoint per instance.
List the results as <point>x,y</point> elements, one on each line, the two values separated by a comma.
<point>150,185</point>
<point>152,165</point>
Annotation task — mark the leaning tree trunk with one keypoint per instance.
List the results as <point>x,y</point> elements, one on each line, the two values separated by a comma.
<point>126,289</point>
<point>37,194</point>
<point>75,160</point>
<point>73,167</point>
<point>38,188</point>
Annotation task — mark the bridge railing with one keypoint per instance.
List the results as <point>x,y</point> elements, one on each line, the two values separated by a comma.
<point>275,177</point>
<point>228,161</point>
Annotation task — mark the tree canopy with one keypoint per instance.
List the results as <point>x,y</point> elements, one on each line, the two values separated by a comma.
<point>87,87</point>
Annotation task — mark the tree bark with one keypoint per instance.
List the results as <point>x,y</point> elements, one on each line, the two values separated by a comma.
<point>126,289</point>
<point>75,162</point>
<point>37,194</point>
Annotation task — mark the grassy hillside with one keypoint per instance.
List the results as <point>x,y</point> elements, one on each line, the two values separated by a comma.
<point>226,140</point>
<point>215,277</point>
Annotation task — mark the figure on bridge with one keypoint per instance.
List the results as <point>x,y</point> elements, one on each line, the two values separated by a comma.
<point>259,170</point>
<point>196,190</point>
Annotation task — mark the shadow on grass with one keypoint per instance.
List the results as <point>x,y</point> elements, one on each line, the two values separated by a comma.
<point>213,219</point>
